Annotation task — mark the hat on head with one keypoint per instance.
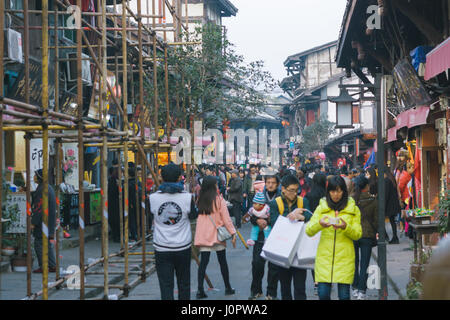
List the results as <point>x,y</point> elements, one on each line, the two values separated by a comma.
<point>39,174</point>
<point>259,198</point>
<point>235,171</point>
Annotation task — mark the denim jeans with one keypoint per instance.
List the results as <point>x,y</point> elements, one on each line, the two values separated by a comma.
<point>173,263</point>
<point>362,263</point>
<point>324,291</point>
<point>51,252</point>
<point>299,278</point>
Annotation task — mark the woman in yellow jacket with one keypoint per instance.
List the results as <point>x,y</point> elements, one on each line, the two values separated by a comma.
<point>339,219</point>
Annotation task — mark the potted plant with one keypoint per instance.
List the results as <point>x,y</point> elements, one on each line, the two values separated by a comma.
<point>443,210</point>
<point>8,248</point>
<point>414,290</point>
<point>19,261</point>
<point>9,216</point>
<point>418,267</point>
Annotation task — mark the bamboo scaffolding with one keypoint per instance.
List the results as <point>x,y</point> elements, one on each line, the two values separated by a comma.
<point>42,120</point>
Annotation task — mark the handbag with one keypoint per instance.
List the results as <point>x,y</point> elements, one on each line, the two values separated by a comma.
<point>222,232</point>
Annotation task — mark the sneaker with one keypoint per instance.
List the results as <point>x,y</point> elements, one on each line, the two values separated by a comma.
<point>269,297</point>
<point>355,293</point>
<point>229,292</point>
<point>255,296</point>
<point>361,296</point>
<point>201,295</point>
<point>38,270</point>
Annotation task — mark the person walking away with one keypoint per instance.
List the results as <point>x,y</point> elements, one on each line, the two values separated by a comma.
<point>242,177</point>
<point>134,205</point>
<point>246,187</point>
<point>318,191</point>
<point>113,202</point>
<point>270,192</point>
<point>235,196</point>
<point>36,222</point>
<point>392,203</point>
<point>213,213</point>
<point>368,206</point>
<point>335,258</point>
<point>172,208</point>
<point>304,187</point>
<point>293,207</point>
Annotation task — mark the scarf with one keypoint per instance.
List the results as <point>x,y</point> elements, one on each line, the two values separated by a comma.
<point>337,206</point>
<point>171,187</point>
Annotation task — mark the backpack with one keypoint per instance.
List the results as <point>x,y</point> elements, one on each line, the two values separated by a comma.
<point>280,204</point>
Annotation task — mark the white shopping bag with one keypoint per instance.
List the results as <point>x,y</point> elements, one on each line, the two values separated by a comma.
<point>282,243</point>
<point>306,251</point>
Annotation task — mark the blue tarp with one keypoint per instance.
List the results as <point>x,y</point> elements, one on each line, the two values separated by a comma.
<point>419,55</point>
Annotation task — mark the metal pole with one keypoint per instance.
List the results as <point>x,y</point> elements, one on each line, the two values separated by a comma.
<point>45,234</point>
<point>383,292</point>
<point>80,159</point>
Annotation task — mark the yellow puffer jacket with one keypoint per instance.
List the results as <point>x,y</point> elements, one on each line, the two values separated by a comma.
<point>335,258</point>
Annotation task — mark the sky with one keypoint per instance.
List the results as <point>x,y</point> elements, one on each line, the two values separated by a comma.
<point>272,30</point>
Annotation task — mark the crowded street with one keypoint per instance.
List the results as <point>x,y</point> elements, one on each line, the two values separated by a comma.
<point>224,150</point>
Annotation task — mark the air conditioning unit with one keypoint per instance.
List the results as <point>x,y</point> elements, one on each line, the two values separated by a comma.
<point>13,45</point>
<point>85,68</point>
<point>441,127</point>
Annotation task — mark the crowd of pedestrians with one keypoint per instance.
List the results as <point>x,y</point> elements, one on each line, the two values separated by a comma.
<point>341,204</point>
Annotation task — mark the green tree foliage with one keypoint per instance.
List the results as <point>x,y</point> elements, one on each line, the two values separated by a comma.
<point>210,80</point>
<point>316,136</point>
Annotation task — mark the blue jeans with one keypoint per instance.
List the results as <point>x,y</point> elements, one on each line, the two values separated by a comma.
<point>324,291</point>
<point>362,262</point>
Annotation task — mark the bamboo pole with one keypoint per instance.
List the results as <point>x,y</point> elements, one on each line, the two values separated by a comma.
<point>80,160</point>
<point>45,234</point>
<point>58,151</point>
<point>141,104</point>
<point>119,153</point>
<point>51,127</point>
<point>166,84</point>
<point>104,150</point>
<point>125,146</point>
<point>30,107</point>
<point>2,34</point>
<point>26,48</point>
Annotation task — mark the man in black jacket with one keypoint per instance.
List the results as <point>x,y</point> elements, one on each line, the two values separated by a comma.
<point>36,221</point>
<point>235,196</point>
<point>271,191</point>
<point>113,201</point>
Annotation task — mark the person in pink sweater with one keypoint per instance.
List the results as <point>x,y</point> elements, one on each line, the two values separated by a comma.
<point>212,206</point>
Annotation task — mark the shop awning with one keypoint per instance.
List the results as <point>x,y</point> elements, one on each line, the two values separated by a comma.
<point>438,60</point>
<point>410,118</point>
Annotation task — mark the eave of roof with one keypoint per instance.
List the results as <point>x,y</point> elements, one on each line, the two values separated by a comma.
<point>297,56</point>
<point>348,15</point>
<point>229,8</point>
